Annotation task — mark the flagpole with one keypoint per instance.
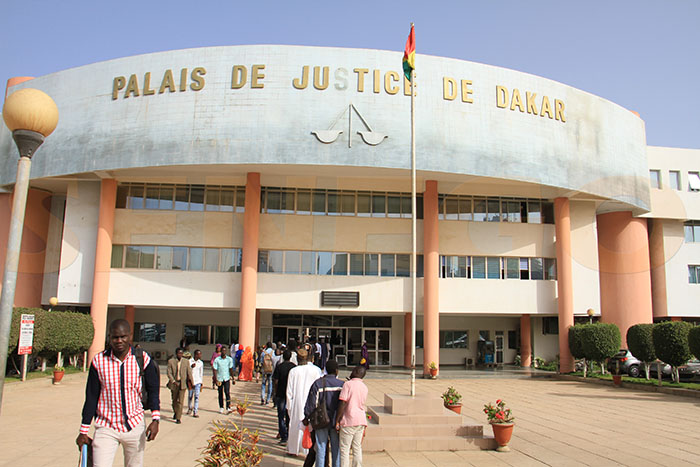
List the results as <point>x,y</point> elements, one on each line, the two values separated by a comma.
<point>413,229</point>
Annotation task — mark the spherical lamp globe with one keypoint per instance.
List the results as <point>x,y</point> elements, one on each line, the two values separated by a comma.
<point>32,110</point>
<point>53,301</point>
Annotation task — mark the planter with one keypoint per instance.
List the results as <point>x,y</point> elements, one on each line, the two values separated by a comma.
<point>617,380</point>
<point>457,408</point>
<point>433,372</point>
<point>58,376</point>
<point>502,432</point>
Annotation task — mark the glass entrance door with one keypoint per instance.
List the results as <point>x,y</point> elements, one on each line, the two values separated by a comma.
<point>379,346</point>
<point>499,346</point>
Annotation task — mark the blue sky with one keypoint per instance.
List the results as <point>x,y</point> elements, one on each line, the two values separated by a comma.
<point>643,55</point>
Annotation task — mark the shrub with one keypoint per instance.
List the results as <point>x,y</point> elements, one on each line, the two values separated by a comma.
<point>694,341</point>
<point>600,342</point>
<point>641,343</point>
<point>671,343</point>
<point>576,341</point>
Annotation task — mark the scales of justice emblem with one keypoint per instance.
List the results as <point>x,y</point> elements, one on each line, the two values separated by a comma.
<point>369,136</point>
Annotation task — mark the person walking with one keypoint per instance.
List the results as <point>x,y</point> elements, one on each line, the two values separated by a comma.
<point>214,356</point>
<point>197,367</point>
<point>223,369</point>
<point>267,367</point>
<point>246,363</point>
<point>364,361</point>
<point>179,379</point>
<point>279,378</point>
<point>298,384</point>
<point>113,399</point>
<point>351,419</point>
<point>326,390</point>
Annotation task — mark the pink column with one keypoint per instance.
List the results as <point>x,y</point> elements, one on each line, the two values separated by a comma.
<point>103,259</point>
<point>657,256</point>
<point>625,278</point>
<point>249,264</point>
<point>565,302</point>
<point>431,303</point>
<point>129,313</point>
<point>525,342</point>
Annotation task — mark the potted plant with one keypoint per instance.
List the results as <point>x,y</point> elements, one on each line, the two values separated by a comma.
<point>433,369</point>
<point>58,372</point>
<point>452,400</point>
<point>501,419</point>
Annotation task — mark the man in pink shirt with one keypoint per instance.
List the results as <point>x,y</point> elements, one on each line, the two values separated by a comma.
<point>351,419</point>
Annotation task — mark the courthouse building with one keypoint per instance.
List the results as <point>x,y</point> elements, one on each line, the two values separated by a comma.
<point>261,193</point>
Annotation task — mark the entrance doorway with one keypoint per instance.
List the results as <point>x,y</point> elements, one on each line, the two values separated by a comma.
<point>378,345</point>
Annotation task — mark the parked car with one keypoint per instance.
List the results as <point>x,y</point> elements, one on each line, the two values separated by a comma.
<point>629,364</point>
<point>688,372</point>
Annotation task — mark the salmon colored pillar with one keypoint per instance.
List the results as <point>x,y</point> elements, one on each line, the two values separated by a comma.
<point>431,304</point>
<point>407,340</point>
<point>525,341</point>
<point>103,259</point>
<point>625,279</point>
<point>249,264</point>
<point>129,313</point>
<point>565,301</point>
<point>657,256</point>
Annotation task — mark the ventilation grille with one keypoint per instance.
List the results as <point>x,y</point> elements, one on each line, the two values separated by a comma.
<point>340,298</point>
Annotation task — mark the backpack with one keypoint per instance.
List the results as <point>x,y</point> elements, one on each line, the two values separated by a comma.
<point>138,353</point>
<point>319,416</point>
<point>267,363</point>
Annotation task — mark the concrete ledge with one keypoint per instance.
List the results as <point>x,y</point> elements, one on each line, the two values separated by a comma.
<point>682,392</point>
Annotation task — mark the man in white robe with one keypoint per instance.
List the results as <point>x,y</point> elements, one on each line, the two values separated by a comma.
<point>299,382</point>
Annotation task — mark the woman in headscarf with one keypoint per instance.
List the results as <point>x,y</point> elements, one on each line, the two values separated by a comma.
<point>246,365</point>
<point>214,356</point>
<point>364,361</point>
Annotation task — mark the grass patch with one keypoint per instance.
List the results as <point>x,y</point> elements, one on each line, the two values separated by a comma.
<point>41,374</point>
<point>643,381</point>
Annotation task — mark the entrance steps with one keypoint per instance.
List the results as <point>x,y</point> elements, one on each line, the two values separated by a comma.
<point>421,423</point>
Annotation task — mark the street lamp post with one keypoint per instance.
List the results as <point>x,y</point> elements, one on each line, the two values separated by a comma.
<point>31,116</point>
<point>590,312</point>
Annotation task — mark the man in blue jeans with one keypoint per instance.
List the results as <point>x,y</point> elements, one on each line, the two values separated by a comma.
<point>279,378</point>
<point>326,389</point>
<point>267,366</point>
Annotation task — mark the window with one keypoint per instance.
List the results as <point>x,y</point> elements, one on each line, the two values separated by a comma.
<point>512,340</point>
<point>693,274</point>
<point>356,264</point>
<point>493,266</point>
<point>230,260</point>
<point>454,339</point>
<point>692,231</point>
<point>693,181</point>
<point>674,179</point>
<point>226,335</point>
<point>117,256</point>
<point>524,269</point>
<point>149,332</point>
<point>403,265</point>
<point>292,262</point>
<point>550,269</point>
<point>275,258</point>
<point>179,257</point>
<point>211,259</point>
<point>387,262</point>
<point>164,257</point>
<point>536,269</point>
<point>512,268</point>
<point>200,335</point>
<point>132,257</point>
<point>479,267</point>
<point>340,264</point>
<point>550,325</point>
<point>196,262</point>
<point>324,263</point>
<point>655,179</point>
<point>307,262</point>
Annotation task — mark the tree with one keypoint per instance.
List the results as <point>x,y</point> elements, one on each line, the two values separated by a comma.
<point>576,344</point>
<point>671,344</point>
<point>694,341</point>
<point>641,344</point>
<point>600,342</point>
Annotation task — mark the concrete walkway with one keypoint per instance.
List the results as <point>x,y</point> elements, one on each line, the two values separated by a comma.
<point>558,423</point>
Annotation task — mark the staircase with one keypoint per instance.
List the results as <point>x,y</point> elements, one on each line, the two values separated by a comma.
<point>421,423</point>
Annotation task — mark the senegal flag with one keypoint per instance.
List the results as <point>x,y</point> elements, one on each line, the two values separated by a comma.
<point>409,55</point>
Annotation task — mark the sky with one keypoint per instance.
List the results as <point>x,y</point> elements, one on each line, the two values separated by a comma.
<point>643,55</point>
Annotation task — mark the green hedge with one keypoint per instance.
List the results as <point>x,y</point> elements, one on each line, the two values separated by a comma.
<point>671,342</point>
<point>694,341</point>
<point>54,331</point>
<point>600,341</point>
<point>576,341</point>
<point>641,342</point>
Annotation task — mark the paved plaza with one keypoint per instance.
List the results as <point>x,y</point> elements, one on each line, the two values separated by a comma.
<point>558,423</point>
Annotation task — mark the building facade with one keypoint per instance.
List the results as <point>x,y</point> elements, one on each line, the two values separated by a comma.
<point>255,193</point>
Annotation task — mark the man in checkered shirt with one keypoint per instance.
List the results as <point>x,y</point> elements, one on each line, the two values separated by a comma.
<point>113,400</point>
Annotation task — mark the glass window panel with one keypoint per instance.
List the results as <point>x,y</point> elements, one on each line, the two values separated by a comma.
<point>136,197</point>
<point>444,337</point>
<point>287,202</point>
<point>307,262</point>
<point>493,267</point>
<point>688,233</point>
<point>696,232</point>
<point>674,178</point>
<point>419,269</point>
<point>550,269</point>
<point>444,270</point>
<point>534,212</point>
<point>152,197</point>
<point>275,261</point>
<point>536,269</point>
<point>512,268</point>
<point>480,210</point>
<point>211,259</point>
<point>228,198</point>
<point>403,265</point>
<point>288,320</point>
<point>376,322</point>
<point>654,179</point>
<point>222,335</point>
<point>182,198</point>
<point>465,209</point>
<point>371,264</point>
<point>419,207</point>
<point>494,210</point>
<point>333,203</point>
<point>363,204</point>
<point>164,257</point>
<point>150,332</point>
<point>340,264</point>
<point>273,201</point>
<point>547,212</point>
<point>147,257</point>
<point>122,196</point>
<point>213,198</point>
<point>524,269</point>
<point>196,259</point>
<point>692,275</point>
<point>317,320</point>
<point>378,205</point>
<point>451,264</point>
<point>406,206</point>
<point>388,261</point>
<point>460,340</point>
<point>165,198</point>
<point>263,260</point>
<point>441,207</point>
<point>132,256</point>
<point>117,256</point>
<point>478,267</point>
<point>484,335</point>
<point>228,258</point>
<point>292,261</point>
<point>318,202</point>
<point>356,264</point>
<point>347,204</point>
<point>179,257</point>
<point>240,199</point>
<point>451,208</point>
<point>394,205</point>
<point>303,202</point>
<point>514,211</point>
<point>347,321</point>
<point>461,270</point>
<point>324,262</point>
<point>197,198</point>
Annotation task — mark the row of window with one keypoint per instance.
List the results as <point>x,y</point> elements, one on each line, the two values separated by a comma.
<point>331,263</point>
<point>203,335</point>
<point>479,209</point>
<point>495,267</point>
<point>336,321</point>
<point>176,257</point>
<point>674,180</point>
<point>460,339</point>
<point>181,197</point>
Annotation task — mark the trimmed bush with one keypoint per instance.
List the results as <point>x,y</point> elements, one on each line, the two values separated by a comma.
<point>576,341</point>
<point>694,341</point>
<point>671,342</point>
<point>600,342</point>
<point>641,344</point>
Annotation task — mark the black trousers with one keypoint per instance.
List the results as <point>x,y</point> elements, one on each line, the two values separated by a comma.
<point>225,388</point>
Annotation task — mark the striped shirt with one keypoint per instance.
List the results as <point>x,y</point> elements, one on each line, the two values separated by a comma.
<point>113,392</point>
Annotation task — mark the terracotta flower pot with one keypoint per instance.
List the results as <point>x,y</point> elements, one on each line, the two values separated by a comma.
<point>502,432</point>
<point>58,376</point>
<point>457,408</point>
<point>617,380</point>
<point>433,372</point>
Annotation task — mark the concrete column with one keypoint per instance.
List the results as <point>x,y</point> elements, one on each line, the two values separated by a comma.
<point>431,304</point>
<point>525,341</point>
<point>103,260</point>
<point>625,278</point>
<point>129,312</point>
<point>565,302</point>
<point>249,264</point>
<point>407,340</point>
<point>657,256</point>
